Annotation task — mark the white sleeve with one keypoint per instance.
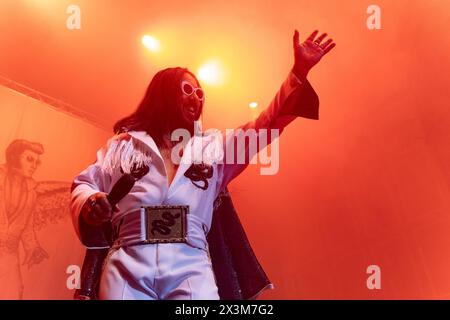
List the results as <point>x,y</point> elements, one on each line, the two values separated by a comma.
<point>282,110</point>
<point>91,180</point>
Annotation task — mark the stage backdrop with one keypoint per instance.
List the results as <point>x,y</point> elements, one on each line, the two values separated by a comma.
<point>41,150</point>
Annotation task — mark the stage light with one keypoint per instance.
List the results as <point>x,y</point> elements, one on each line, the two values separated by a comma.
<point>151,43</point>
<point>253,105</point>
<point>211,72</point>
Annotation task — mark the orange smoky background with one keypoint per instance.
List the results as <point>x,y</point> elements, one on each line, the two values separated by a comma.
<point>367,184</point>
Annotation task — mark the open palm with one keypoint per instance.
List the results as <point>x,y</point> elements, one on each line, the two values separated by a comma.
<point>309,53</point>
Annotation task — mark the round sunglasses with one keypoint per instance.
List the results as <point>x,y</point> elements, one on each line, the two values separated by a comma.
<point>188,89</point>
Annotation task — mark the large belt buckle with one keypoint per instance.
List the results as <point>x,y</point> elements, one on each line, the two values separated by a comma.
<point>165,223</point>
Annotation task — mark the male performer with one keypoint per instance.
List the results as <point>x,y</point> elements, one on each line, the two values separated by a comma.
<point>161,249</point>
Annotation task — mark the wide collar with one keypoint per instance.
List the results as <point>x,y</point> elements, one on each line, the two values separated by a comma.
<point>206,139</point>
<point>147,139</point>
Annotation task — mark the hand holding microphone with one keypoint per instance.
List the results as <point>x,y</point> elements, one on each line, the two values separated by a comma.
<point>98,209</point>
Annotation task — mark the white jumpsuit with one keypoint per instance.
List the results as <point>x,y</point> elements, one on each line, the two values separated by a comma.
<point>171,270</point>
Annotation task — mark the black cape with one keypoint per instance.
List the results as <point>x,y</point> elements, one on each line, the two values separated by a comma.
<point>238,273</point>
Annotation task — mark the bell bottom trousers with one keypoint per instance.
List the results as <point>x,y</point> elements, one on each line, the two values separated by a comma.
<point>167,271</point>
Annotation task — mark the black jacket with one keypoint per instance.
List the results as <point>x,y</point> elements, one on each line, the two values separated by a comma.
<point>238,273</point>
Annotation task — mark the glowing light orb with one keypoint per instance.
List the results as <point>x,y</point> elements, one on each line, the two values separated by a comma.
<point>253,105</point>
<point>211,73</point>
<point>151,43</point>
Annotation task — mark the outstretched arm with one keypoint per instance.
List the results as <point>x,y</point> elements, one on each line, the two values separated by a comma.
<point>295,98</point>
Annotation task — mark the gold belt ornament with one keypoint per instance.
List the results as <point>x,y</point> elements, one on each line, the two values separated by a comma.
<point>166,223</point>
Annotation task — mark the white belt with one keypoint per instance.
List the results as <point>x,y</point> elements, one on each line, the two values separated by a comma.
<point>131,230</point>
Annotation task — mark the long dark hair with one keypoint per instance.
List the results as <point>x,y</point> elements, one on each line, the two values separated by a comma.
<point>159,111</point>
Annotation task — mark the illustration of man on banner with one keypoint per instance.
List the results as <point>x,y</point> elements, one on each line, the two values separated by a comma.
<point>25,206</point>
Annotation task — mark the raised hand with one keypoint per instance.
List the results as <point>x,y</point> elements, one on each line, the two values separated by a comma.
<point>309,53</point>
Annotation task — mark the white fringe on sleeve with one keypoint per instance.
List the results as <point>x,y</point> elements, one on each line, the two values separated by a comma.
<point>126,154</point>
